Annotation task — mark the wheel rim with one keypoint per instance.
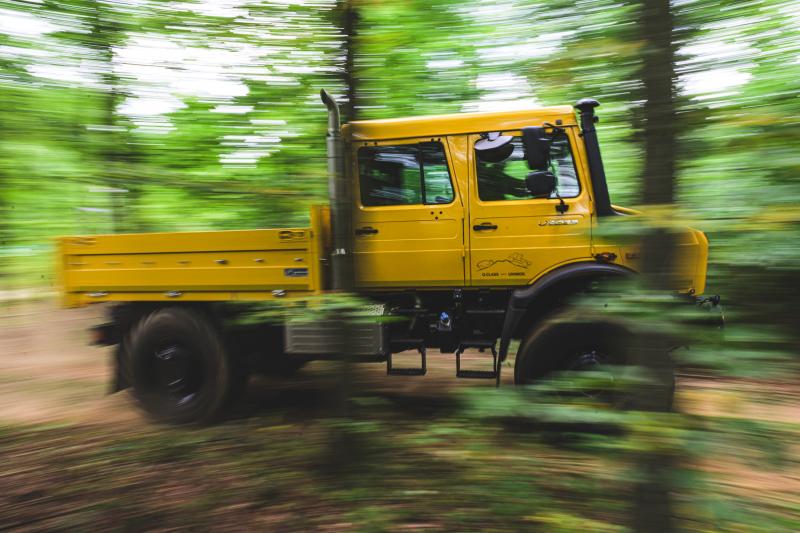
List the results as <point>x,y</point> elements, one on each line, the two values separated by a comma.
<point>176,372</point>
<point>587,360</point>
<point>593,361</point>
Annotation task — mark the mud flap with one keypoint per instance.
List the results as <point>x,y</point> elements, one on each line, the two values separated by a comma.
<point>522,299</point>
<point>120,380</point>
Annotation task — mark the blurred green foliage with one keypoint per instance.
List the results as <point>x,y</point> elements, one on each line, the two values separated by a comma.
<point>484,461</point>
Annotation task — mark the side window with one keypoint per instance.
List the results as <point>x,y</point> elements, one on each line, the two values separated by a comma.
<point>405,174</point>
<point>505,179</point>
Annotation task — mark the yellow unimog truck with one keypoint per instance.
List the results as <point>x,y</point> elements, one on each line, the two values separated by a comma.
<point>467,230</point>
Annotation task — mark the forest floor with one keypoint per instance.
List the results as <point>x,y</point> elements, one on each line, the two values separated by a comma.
<point>414,452</point>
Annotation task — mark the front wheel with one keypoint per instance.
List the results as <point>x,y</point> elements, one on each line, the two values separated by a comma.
<point>566,345</point>
<point>179,368</point>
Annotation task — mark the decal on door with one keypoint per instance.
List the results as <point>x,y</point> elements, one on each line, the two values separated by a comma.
<point>558,222</point>
<point>516,259</point>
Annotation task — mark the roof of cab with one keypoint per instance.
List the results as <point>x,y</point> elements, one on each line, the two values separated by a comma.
<point>438,125</point>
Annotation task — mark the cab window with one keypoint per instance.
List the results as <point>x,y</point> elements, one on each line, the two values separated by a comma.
<point>505,179</point>
<point>405,174</point>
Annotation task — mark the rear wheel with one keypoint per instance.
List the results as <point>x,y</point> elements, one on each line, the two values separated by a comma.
<point>179,368</point>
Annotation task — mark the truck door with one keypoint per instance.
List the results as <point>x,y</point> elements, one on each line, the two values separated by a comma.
<point>513,237</point>
<point>408,216</point>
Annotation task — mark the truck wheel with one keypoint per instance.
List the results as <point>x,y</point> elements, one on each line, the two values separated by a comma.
<point>180,371</point>
<point>567,345</point>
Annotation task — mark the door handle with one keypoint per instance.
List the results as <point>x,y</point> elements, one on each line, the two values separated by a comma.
<point>484,226</point>
<point>368,230</point>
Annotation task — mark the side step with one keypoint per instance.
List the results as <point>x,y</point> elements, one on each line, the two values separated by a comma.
<point>421,371</point>
<point>482,345</point>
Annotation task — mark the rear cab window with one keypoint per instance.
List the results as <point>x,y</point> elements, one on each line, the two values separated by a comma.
<point>404,174</point>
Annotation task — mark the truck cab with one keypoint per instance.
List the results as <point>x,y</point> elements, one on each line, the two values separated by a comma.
<point>431,210</point>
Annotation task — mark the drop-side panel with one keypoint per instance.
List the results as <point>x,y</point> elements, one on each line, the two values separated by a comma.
<point>217,265</point>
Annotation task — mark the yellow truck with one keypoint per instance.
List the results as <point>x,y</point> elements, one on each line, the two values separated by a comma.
<point>467,230</point>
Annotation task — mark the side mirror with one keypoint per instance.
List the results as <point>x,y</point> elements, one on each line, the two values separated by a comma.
<point>493,147</point>
<point>541,184</point>
<point>537,148</point>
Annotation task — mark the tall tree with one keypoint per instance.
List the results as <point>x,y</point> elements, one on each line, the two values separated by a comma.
<point>95,29</point>
<point>349,23</point>
<point>344,443</point>
<point>106,33</point>
<point>652,505</point>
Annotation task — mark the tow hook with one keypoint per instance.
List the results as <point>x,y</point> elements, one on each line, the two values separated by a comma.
<point>712,306</point>
<point>708,301</point>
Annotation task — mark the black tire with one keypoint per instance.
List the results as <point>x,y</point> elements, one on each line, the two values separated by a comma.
<point>565,343</point>
<point>179,369</point>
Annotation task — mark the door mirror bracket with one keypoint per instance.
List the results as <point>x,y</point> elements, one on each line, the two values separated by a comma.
<point>537,148</point>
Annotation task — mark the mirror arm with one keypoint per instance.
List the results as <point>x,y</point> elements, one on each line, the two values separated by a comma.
<point>562,207</point>
<point>557,130</point>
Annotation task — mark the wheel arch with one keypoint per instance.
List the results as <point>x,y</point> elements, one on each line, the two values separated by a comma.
<point>527,305</point>
<point>125,315</point>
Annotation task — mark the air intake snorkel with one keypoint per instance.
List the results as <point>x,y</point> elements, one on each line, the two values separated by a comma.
<point>602,200</point>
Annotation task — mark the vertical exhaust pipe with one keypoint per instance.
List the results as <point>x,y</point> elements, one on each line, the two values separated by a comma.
<point>334,129</point>
<point>341,206</point>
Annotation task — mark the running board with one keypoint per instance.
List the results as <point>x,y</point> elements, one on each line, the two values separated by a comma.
<point>423,368</point>
<point>482,345</point>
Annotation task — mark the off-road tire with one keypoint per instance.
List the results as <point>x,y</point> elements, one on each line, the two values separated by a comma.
<point>563,342</point>
<point>185,337</point>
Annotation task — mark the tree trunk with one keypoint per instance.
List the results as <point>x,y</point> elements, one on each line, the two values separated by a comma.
<point>345,446</point>
<point>652,499</point>
<point>117,155</point>
<point>350,19</point>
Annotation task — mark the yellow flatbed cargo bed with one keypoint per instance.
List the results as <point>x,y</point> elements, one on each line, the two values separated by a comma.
<point>255,264</point>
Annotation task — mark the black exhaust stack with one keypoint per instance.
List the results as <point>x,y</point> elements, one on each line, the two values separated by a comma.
<point>602,200</point>
<point>339,195</point>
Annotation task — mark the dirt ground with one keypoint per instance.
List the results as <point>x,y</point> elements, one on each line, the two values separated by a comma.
<point>49,378</point>
<point>47,371</point>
